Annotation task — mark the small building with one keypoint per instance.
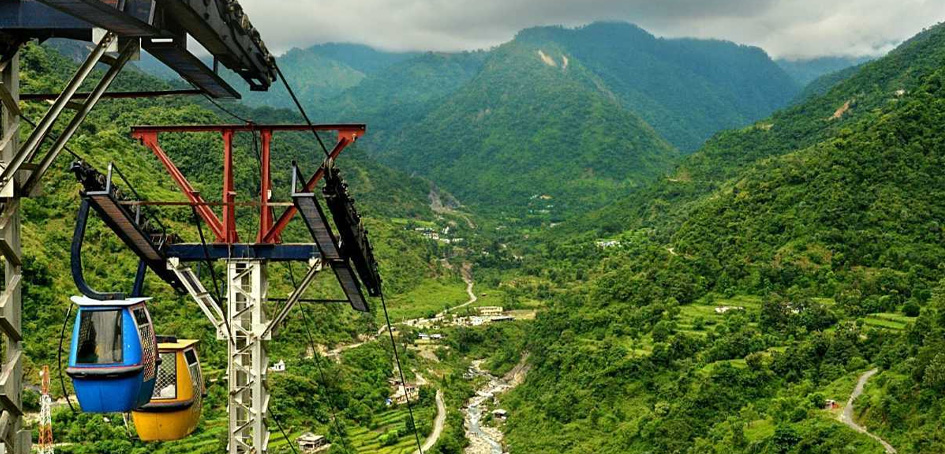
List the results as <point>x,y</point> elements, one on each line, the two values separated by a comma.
<point>311,443</point>
<point>500,414</point>
<point>831,405</point>
<point>400,397</point>
<point>490,311</point>
<point>278,367</point>
<point>503,318</point>
<point>608,244</point>
<point>726,309</point>
<point>425,338</point>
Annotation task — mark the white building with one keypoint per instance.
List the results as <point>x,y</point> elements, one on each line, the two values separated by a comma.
<point>310,443</point>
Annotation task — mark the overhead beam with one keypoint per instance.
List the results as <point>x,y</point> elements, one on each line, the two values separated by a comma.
<point>175,55</point>
<point>114,94</point>
<point>134,21</point>
<point>348,130</point>
<point>228,35</point>
<point>191,252</point>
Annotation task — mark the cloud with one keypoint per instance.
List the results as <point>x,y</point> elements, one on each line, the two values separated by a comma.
<point>785,28</point>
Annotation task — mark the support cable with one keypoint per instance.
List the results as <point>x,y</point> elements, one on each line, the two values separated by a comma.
<point>285,435</point>
<point>62,336</point>
<point>301,109</point>
<point>206,253</point>
<point>318,365</point>
<point>403,380</point>
<point>225,110</point>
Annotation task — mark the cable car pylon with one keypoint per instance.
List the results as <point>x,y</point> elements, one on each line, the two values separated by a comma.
<point>118,31</point>
<point>242,320</point>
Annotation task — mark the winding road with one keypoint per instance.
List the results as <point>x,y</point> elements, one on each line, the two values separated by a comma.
<point>437,424</point>
<point>468,278</point>
<point>847,416</point>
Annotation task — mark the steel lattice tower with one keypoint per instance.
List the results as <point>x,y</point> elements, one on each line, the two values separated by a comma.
<point>45,441</point>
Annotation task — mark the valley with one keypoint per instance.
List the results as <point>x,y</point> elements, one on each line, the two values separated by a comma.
<point>592,239</point>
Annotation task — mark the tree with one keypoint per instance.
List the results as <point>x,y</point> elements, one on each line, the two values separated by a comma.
<point>934,377</point>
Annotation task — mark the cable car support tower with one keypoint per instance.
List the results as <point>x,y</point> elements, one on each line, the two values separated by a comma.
<point>118,31</point>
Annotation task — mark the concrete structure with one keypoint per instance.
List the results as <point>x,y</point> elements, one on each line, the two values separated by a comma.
<point>310,443</point>
<point>403,393</point>
<point>726,309</point>
<point>491,311</point>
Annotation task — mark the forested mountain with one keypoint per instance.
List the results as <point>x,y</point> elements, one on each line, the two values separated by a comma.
<point>532,122</point>
<point>712,274</point>
<point>321,73</point>
<point>478,114</point>
<point>806,70</point>
<point>687,89</point>
<point>772,269</point>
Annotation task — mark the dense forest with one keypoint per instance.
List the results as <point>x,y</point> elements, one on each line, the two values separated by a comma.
<point>815,234</point>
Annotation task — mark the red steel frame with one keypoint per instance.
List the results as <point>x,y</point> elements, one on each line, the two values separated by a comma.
<point>224,231</point>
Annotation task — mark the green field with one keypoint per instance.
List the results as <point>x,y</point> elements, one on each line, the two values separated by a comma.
<point>428,298</point>
<point>890,321</point>
<point>370,440</point>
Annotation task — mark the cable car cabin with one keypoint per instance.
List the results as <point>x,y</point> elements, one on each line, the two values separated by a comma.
<point>112,360</point>
<point>175,406</point>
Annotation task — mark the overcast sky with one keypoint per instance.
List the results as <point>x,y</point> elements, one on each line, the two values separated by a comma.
<point>785,28</point>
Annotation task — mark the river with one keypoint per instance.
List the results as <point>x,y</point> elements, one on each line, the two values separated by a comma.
<point>484,439</point>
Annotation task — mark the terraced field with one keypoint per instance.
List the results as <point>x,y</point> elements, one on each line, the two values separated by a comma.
<point>890,321</point>
<point>371,440</point>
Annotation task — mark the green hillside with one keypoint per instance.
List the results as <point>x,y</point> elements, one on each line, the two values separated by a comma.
<point>525,126</point>
<point>687,89</point>
<point>806,70</point>
<point>774,267</point>
<point>320,73</point>
<point>601,107</point>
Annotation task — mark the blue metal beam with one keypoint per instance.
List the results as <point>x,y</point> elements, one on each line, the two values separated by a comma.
<point>270,252</point>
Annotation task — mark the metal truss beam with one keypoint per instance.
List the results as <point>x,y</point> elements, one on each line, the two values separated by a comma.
<point>314,267</point>
<point>206,303</point>
<point>14,439</point>
<point>10,177</point>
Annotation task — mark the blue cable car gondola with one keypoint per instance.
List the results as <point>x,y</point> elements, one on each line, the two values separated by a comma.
<point>112,360</point>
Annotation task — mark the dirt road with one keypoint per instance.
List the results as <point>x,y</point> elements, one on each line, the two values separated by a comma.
<point>470,282</point>
<point>847,416</point>
<point>437,424</point>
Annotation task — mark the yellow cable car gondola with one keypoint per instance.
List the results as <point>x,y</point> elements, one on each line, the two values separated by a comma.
<point>174,409</point>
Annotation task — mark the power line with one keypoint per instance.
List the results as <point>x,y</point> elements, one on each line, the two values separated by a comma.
<point>206,253</point>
